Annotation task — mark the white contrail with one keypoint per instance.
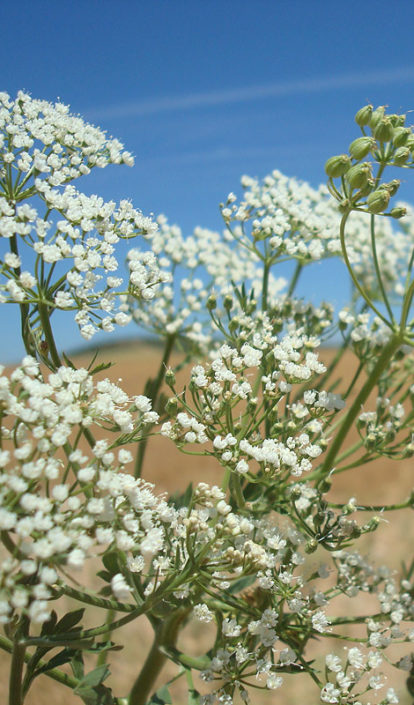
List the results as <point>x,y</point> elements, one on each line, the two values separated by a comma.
<point>251,93</point>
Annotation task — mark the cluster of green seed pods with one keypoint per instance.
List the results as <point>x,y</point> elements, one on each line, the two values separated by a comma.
<point>390,143</point>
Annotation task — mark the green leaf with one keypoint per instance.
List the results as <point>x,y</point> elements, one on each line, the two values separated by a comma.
<point>161,697</point>
<point>70,619</point>
<point>102,366</point>
<point>49,626</point>
<point>182,500</point>
<point>62,657</point>
<point>105,575</point>
<point>68,362</point>
<point>77,665</point>
<point>110,561</point>
<point>241,584</point>
<point>100,695</point>
<point>95,677</point>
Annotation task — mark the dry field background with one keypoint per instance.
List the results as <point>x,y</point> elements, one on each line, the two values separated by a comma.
<point>379,482</point>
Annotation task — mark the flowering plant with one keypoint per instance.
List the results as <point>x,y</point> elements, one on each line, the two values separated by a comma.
<point>265,560</point>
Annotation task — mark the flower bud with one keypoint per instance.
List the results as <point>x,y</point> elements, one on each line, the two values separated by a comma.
<point>363,115</point>
<point>358,175</point>
<point>378,200</point>
<point>400,136</point>
<point>383,130</point>
<point>360,147</point>
<point>376,116</point>
<point>398,212</point>
<point>228,302</point>
<point>170,377</point>
<point>337,166</point>
<point>211,302</point>
<point>171,406</point>
<point>401,155</point>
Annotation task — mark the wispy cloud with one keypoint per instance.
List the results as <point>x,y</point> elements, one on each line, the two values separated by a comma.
<point>252,93</point>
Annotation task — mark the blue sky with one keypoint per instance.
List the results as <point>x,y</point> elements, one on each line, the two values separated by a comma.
<point>203,91</point>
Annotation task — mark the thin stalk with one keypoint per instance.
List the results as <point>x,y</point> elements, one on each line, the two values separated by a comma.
<point>382,362</point>
<point>24,308</point>
<point>377,269</point>
<point>265,284</point>
<point>48,333</point>
<point>294,280</point>
<point>153,394</point>
<point>351,271</point>
<point>16,674</point>
<point>102,657</point>
<point>165,636</point>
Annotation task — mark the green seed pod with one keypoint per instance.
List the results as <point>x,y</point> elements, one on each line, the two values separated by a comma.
<point>392,186</point>
<point>400,136</point>
<point>337,166</point>
<point>367,188</point>
<point>398,212</point>
<point>397,120</point>
<point>170,377</point>
<point>311,546</point>
<point>228,302</point>
<point>376,116</point>
<point>383,130</point>
<point>378,200</point>
<point>401,155</point>
<point>211,302</point>
<point>360,147</point>
<point>171,406</point>
<point>357,176</point>
<point>363,115</point>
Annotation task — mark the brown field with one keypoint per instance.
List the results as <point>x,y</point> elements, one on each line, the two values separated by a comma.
<point>380,482</point>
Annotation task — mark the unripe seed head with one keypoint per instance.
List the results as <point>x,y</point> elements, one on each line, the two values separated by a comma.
<point>398,212</point>
<point>358,175</point>
<point>401,155</point>
<point>378,200</point>
<point>383,130</point>
<point>400,136</point>
<point>363,115</point>
<point>360,147</point>
<point>376,116</point>
<point>337,166</point>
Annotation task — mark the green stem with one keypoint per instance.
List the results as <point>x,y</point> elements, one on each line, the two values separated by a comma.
<point>294,280</point>
<point>154,390</point>
<point>53,673</point>
<point>265,284</point>
<point>102,657</point>
<point>377,269</point>
<point>16,673</point>
<point>165,636</point>
<point>351,271</point>
<point>48,333</point>
<point>24,308</point>
<point>381,365</point>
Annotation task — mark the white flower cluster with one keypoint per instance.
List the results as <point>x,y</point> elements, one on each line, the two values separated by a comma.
<point>73,236</point>
<point>173,299</point>
<point>228,409</point>
<point>359,668</point>
<point>303,223</point>
<point>41,140</point>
